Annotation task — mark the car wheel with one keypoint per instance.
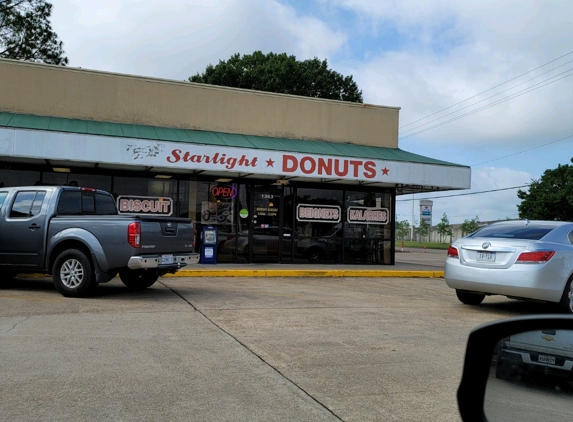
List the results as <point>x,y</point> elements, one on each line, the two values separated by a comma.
<point>502,370</point>
<point>314,255</point>
<point>470,298</point>
<point>567,299</point>
<point>73,274</point>
<point>138,279</point>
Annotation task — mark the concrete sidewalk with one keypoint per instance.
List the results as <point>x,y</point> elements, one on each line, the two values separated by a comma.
<point>411,262</point>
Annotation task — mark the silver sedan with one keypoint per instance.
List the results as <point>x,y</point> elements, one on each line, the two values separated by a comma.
<point>530,260</point>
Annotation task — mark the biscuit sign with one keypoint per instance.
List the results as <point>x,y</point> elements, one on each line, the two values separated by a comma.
<point>150,205</point>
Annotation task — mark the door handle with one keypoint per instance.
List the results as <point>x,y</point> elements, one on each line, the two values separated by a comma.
<point>34,226</point>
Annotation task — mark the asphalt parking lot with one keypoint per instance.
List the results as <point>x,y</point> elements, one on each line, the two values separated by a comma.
<point>238,349</point>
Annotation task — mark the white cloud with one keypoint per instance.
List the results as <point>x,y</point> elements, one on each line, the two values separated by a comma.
<point>175,39</point>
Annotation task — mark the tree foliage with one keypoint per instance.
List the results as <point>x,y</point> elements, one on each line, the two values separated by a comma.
<point>283,74</point>
<point>443,227</point>
<point>423,228</point>
<point>549,198</point>
<point>469,226</point>
<point>26,32</point>
<point>402,229</point>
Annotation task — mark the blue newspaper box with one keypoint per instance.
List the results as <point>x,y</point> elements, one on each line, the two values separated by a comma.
<point>209,245</point>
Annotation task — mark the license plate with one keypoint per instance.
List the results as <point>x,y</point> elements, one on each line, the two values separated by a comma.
<point>546,359</point>
<point>166,259</point>
<point>486,256</point>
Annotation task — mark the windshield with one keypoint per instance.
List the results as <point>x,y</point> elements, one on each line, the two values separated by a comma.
<point>529,232</point>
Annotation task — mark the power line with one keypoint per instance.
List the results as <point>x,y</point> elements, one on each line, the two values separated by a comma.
<point>521,152</point>
<point>510,97</point>
<point>542,84</point>
<point>490,89</point>
<point>464,194</point>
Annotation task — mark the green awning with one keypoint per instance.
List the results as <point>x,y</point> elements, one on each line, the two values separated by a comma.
<point>189,136</point>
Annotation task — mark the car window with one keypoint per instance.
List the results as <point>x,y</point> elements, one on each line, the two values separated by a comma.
<point>86,202</point>
<point>37,204</point>
<point>570,235</point>
<point>104,204</point>
<point>530,232</point>
<point>70,203</point>
<point>27,204</point>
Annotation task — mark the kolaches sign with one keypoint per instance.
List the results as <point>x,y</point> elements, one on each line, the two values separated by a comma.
<point>367,215</point>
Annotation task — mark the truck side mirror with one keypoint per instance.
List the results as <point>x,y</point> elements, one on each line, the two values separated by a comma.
<point>519,369</point>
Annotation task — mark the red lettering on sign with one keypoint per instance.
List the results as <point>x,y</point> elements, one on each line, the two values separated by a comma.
<point>224,191</point>
<point>329,167</point>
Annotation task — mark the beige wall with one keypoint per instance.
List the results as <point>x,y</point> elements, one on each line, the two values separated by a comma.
<point>57,91</point>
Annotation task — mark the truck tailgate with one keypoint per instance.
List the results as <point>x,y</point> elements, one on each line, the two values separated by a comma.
<point>166,234</point>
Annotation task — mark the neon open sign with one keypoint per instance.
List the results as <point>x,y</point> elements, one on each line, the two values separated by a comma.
<point>224,191</point>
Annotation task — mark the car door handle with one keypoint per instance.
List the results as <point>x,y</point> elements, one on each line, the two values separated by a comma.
<point>34,226</point>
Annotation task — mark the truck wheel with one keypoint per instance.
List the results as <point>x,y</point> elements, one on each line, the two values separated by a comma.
<point>73,274</point>
<point>502,370</point>
<point>469,298</point>
<point>138,279</point>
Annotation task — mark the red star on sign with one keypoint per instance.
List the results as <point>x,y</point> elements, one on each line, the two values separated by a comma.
<point>270,163</point>
<point>385,171</point>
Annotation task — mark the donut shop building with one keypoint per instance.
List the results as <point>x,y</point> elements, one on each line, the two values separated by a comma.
<point>284,179</point>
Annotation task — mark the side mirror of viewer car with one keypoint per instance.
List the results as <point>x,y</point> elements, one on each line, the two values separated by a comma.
<point>519,369</point>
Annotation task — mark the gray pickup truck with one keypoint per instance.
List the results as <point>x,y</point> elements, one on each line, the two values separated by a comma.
<point>77,236</point>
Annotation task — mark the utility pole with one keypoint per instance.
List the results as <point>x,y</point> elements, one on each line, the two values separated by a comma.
<point>412,225</point>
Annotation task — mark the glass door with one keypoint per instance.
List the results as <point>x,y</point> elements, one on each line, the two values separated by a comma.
<point>266,232</point>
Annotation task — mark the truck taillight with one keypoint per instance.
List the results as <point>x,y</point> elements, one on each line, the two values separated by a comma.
<point>453,252</point>
<point>538,257</point>
<point>134,234</point>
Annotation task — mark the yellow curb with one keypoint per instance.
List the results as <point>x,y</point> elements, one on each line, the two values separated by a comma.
<point>292,273</point>
<point>306,273</point>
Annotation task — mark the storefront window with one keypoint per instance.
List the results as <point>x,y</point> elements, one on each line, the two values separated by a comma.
<point>144,186</point>
<point>317,216</point>
<point>215,206</point>
<point>367,227</point>
<point>145,196</point>
<point>10,178</point>
<point>95,181</point>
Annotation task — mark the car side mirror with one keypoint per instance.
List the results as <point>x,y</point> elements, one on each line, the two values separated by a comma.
<point>519,369</point>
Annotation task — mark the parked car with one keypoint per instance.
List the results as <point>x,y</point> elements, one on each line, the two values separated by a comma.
<point>547,351</point>
<point>530,260</point>
<point>265,239</point>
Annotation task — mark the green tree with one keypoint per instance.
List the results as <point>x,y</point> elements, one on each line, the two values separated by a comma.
<point>283,74</point>
<point>423,229</point>
<point>402,229</point>
<point>549,198</point>
<point>26,33</point>
<point>470,226</point>
<point>443,227</point>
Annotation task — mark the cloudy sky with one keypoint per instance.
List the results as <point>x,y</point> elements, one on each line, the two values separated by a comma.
<point>485,83</point>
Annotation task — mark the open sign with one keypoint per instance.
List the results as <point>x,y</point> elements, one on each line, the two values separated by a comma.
<point>224,191</point>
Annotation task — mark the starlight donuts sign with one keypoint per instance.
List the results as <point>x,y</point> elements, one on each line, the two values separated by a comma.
<point>279,163</point>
